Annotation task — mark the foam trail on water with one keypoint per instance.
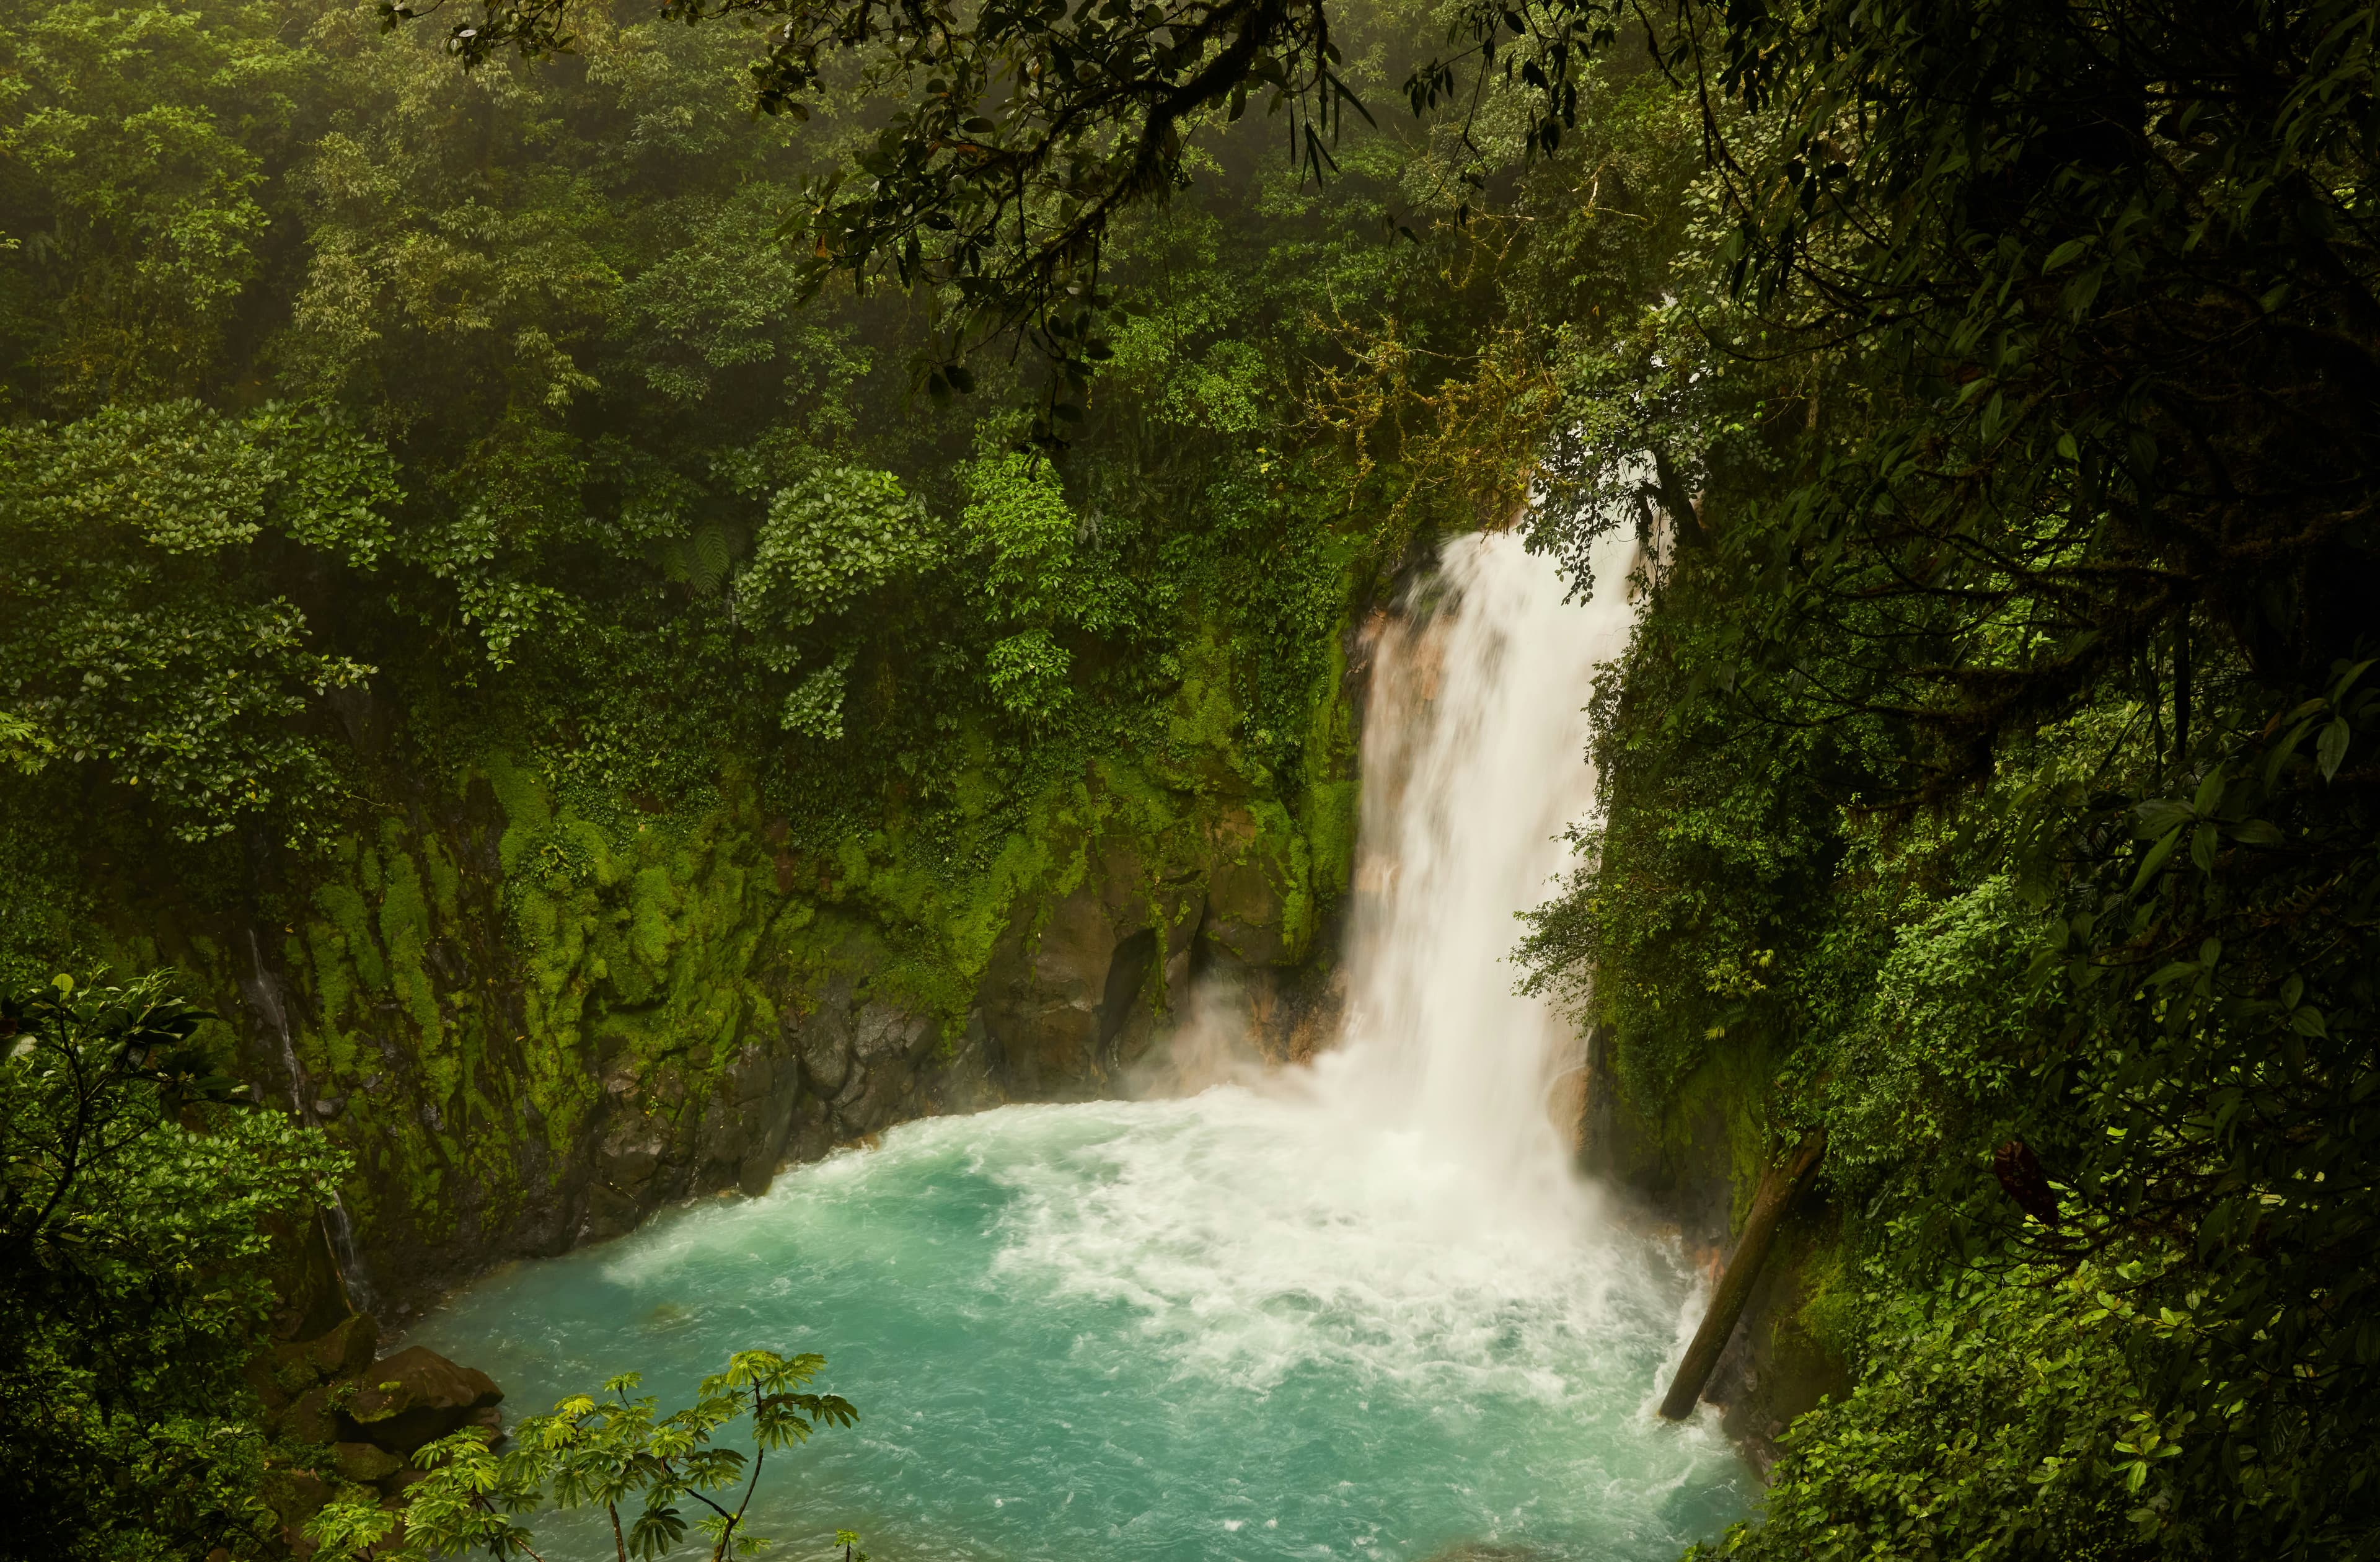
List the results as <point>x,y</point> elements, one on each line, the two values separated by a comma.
<point>1365,1309</point>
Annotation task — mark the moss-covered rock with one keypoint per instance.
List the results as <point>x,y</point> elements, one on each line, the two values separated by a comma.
<point>309,1417</point>
<point>347,1349</point>
<point>294,1495</point>
<point>366,1464</point>
<point>412,1398</point>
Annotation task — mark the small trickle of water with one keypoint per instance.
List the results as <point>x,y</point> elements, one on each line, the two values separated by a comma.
<point>264,996</point>
<point>1363,1311</point>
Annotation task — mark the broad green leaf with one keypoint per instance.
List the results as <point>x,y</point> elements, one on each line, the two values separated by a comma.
<point>2331,747</point>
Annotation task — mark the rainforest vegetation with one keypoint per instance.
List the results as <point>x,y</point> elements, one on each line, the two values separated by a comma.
<point>867,418</point>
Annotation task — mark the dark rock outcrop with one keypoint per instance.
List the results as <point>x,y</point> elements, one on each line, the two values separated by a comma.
<point>415,1397</point>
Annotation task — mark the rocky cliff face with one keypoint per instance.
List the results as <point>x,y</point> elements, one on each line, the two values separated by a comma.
<point>534,1015</point>
<point>1076,989</point>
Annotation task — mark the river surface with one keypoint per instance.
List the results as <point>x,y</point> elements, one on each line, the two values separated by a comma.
<point>1363,1309</point>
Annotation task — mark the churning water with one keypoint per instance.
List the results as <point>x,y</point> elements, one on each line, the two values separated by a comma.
<point>1364,1309</point>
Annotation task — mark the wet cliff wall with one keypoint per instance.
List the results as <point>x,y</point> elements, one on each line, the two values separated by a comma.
<point>533,1015</point>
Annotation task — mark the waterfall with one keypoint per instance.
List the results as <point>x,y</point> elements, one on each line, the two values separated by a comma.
<point>1475,765</point>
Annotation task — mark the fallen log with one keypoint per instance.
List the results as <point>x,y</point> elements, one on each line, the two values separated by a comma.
<point>1778,1186</point>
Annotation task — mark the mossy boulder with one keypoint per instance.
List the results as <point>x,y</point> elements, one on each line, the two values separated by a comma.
<point>285,1371</point>
<point>366,1464</point>
<point>415,1397</point>
<point>345,1349</point>
<point>309,1417</point>
<point>293,1378</point>
<point>294,1495</point>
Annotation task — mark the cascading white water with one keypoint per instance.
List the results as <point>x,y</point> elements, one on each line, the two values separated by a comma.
<point>1365,1308</point>
<point>1478,729</point>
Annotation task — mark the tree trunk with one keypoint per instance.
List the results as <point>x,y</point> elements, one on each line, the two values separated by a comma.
<point>1686,520</point>
<point>1779,1188</point>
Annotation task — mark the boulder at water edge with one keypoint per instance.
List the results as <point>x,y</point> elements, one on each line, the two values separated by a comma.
<point>415,1396</point>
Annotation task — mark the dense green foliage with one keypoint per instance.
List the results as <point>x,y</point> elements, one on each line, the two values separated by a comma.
<point>456,598</point>
<point>466,600</point>
<point>479,409</point>
<point>139,1198</point>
